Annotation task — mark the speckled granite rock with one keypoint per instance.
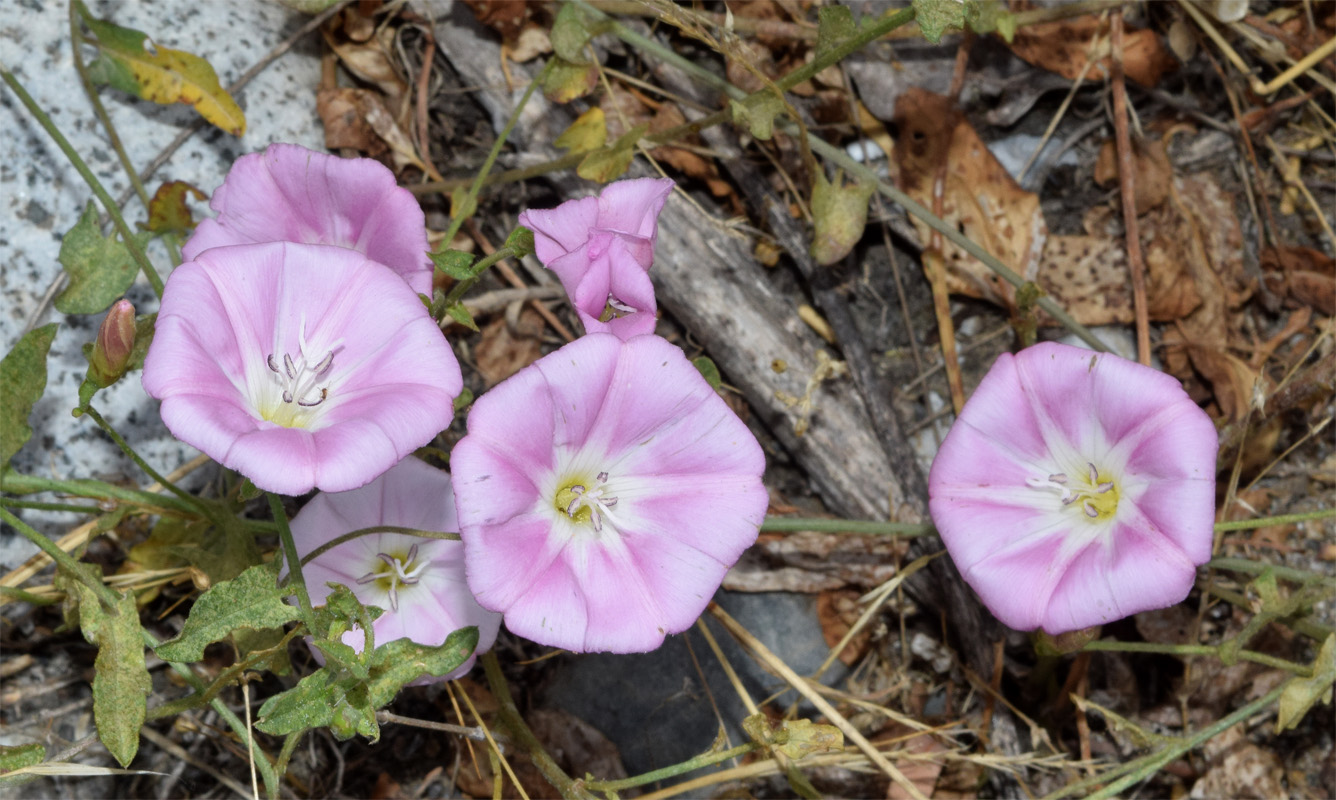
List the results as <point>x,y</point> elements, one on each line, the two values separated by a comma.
<point>41,197</point>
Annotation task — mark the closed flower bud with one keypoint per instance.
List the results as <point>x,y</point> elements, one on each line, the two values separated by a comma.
<point>115,341</point>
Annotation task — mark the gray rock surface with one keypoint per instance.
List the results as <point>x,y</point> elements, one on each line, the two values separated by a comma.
<point>41,197</point>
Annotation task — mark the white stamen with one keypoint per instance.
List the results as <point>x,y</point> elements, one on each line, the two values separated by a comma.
<point>598,505</point>
<point>398,574</point>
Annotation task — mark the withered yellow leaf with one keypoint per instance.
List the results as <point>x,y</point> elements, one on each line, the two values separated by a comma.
<point>129,60</point>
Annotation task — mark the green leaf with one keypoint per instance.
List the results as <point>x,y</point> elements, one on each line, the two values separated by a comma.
<point>455,263</point>
<point>341,612</point>
<point>461,315</point>
<point>520,242</point>
<point>121,682</point>
<point>401,661</point>
<point>608,163</point>
<point>834,25</point>
<point>251,600</point>
<point>314,702</point>
<point>20,755</point>
<point>22,381</point>
<point>758,113</point>
<point>709,371</point>
<point>100,268</point>
<point>265,646</point>
<point>566,81</point>
<point>570,34</point>
<point>936,17</point>
<point>333,697</point>
<point>128,60</point>
<point>1301,694</point>
<point>168,212</point>
<point>839,214</point>
<point>588,132</point>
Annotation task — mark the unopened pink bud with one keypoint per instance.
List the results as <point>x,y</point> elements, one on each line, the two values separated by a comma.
<point>115,340</point>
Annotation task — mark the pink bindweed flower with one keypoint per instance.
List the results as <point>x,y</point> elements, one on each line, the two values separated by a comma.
<point>299,365</point>
<point>603,492</point>
<point>1076,488</point>
<point>417,582</point>
<point>602,248</point>
<point>290,194</point>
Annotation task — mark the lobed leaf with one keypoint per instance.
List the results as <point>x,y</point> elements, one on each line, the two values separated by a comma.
<point>454,263</point>
<point>608,163</point>
<point>22,381</point>
<point>128,60</point>
<point>20,755</point>
<point>251,600</point>
<point>839,214</point>
<point>936,17</point>
<point>168,212</point>
<point>121,682</point>
<point>100,268</point>
<point>588,132</point>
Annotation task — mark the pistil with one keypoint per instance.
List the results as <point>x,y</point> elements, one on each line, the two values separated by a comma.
<point>595,499</point>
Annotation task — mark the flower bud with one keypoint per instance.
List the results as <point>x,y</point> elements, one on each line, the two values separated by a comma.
<point>115,341</point>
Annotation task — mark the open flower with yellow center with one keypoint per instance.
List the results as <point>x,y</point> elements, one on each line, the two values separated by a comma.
<point>1075,489</point>
<point>603,492</point>
<point>300,366</point>
<point>417,582</point>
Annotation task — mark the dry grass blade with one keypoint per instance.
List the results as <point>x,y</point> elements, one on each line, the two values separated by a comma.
<point>772,662</point>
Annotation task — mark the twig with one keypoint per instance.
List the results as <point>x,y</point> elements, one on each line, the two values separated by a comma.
<point>176,751</point>
<point>1127,188</point>
<point>476,734</point>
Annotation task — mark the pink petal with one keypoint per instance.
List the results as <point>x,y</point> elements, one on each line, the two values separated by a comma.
<point>561,230</point>
<point>289,193</point>
<point>1180,510</point>
<point>1057,382</point>
<point>633,206</point>
<point>1000,410</point>
<point>1133,571</point>
<point>624,614</point>
<point>975,530</point>
<point>276,459</point>
<point>491,487</point>
<point>507,562</point>
<point>577,378</point>
<point>641,323</point>
<point>971,458</point>
<point>1181,442</point>
<point>552,611</point>
<point>1017,582</point>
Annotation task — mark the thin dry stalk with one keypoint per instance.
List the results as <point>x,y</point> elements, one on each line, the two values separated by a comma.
<point>773,662</point>
<point>1127,188</point>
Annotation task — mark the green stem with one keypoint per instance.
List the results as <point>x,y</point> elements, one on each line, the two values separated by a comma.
<point>1283,519</point>
<point>348,537</point>
<point>131,245</point>
<point>673,771</point>
<point>295,578</point>
<point>40,506</point>
<point>475,272</point>
<point>11,594</point>
<point>471,198</point>
<point>108,599</point>
<point>66,561</point>
<point>824,525</point>
<point>1302,625</point>
<point>1173,751</point>
<point>290,743</point>
<point>1196,650</point>
<point>19,483</point>
<point>1257,567</point>
<point>77,9</point>
<point>509,716</point>
<point>196,503</point>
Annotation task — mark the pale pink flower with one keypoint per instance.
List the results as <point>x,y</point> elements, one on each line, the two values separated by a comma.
<point>1076,488</point>
<point>300,366</point>
<point>602,248</point>
<point>290,194</point>
<point>603,492</point>
<point>417,582</point>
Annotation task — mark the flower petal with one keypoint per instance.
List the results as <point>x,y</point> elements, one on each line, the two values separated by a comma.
<point>289,193</point>
<point>561,230</point>
<point>633,207</point>
<point>1132,571</point>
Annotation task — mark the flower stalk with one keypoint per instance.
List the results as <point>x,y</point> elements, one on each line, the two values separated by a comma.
<point>131,245</point>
